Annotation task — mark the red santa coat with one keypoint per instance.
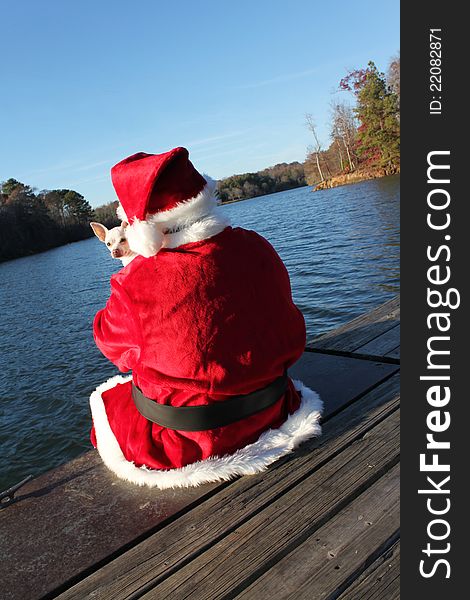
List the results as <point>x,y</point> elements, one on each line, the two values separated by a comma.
<point>197,324</point>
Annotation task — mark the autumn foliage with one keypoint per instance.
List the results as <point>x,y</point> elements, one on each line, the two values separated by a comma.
<point>365,136</point>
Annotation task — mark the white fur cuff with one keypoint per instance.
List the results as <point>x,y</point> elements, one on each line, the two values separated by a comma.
<point>254,458</point>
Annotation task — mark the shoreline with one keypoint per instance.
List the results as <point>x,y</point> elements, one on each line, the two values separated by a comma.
<point>336,181</point>
<point>297,187</point>
<point>355,177</point>
<point>35,253</point>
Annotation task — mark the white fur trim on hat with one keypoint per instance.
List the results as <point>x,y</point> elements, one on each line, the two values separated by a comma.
<point>254,458</point>
<point>193,220</point>
<point>144,238</point>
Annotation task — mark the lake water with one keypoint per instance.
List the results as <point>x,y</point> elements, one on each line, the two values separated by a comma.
<point>341,248</point>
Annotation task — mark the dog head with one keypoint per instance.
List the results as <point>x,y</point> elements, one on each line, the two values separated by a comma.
<point>115,239</point>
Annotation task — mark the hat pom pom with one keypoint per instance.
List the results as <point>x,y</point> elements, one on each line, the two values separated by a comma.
<point>120,213</point>
<point>144,238</point>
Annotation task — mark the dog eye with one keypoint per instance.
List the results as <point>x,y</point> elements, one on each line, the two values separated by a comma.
<point>122,240</point>
<point>108,244</point>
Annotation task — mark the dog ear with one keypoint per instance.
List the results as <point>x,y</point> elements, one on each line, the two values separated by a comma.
<point>99,230</point>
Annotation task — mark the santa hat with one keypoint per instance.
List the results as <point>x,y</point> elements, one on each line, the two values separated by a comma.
<point>158,192</point>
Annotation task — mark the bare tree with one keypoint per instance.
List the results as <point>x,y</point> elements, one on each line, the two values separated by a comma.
<point>316,149</point>
<point>337,138</point>
<point>340,153</point>
<point>343,131</point>
<point>393,75</point>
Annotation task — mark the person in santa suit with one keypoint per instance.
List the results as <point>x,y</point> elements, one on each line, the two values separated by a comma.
<point>204,319</point>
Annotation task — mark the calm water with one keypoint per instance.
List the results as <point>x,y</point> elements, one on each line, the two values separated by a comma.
<point>341,248</point>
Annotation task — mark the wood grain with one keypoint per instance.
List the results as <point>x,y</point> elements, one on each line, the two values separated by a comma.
<point>319,567</point>
<point>381,345</point>
<point>380,581</point>
<point>246,552</point>
<point>360,331</point>
<point>177,544</point>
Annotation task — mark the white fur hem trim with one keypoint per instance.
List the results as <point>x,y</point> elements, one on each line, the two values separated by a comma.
<point>196,219</point>
<point>254,458</point>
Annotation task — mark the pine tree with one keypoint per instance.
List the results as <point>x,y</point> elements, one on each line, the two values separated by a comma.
<point>377,109</point>
<point>77,207</point>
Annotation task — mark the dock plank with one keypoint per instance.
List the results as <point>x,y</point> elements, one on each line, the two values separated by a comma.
<point>395,353</point>
<point>319,567</point>
<point>338,379</point>
<point>169,549</point>
<point>244,554</point>
<point>84,499</point>
<point>360,331</point>
<point>381,580</point>
<point>77,515</point>
<point>381,345</point>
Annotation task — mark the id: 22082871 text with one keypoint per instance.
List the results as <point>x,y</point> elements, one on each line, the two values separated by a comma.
<point>435,71</point>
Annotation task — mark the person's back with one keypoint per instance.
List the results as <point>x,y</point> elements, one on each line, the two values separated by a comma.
<point>205,320</point>
<point>217,317</point>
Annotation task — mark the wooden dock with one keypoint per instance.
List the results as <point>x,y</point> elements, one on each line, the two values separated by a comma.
<point>322,523</point>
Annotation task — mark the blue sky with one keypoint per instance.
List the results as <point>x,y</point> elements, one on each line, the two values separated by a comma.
<point>86,83</point>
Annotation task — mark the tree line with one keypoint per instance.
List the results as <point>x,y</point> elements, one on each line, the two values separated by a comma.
<point>283,176</point>
<point>32,221</point>
<point>364,136</point>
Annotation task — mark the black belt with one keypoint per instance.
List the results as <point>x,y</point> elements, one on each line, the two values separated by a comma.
<point>211,416</point>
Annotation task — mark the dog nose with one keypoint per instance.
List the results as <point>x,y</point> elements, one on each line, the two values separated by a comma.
<point>116,253</point>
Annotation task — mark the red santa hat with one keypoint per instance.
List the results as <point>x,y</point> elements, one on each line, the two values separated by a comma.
<point>158,192</point>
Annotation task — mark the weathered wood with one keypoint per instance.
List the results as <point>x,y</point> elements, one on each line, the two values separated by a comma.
<point>247,551</point>
<point>80,512</point>
<point>381,581</point>
<point>71,518</point>
<point>170,548</point>
<point>339,379</point>
<point>337,552</point>
<point>361,330</point>
<point>383,344</point>
<point>395,353</point>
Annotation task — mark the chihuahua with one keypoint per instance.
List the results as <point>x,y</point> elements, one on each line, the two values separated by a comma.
<point>116,241</point>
